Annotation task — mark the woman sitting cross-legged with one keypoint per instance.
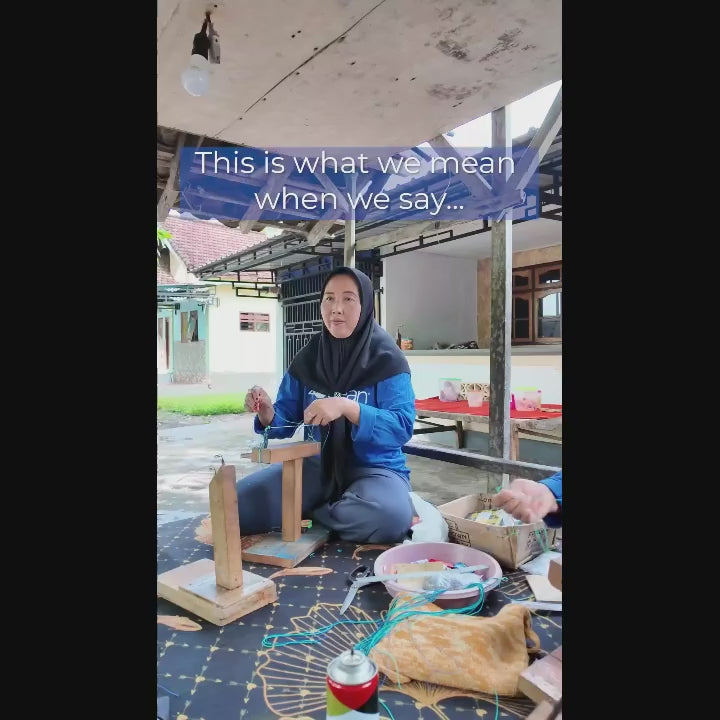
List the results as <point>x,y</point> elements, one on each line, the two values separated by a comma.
<point>351,383</point>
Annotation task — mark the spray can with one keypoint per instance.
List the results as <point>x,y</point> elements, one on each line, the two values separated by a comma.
<point>352,687</point>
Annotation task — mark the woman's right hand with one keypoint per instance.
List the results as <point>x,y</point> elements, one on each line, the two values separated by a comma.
<point>258,401</point>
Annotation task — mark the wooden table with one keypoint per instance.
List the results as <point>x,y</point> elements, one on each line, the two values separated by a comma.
<point>549,429</point>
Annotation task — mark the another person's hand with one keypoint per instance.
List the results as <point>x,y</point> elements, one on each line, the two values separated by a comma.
<point>258,401</point>
<point>526,500</point>
<point>324,411</point>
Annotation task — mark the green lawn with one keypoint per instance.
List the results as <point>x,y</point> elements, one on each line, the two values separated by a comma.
<point>231,403</point>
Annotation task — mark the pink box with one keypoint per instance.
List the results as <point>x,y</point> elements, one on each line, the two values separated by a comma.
<point>527,400</point>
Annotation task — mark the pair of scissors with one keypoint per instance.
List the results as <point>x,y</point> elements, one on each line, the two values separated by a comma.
<point>361,571</point>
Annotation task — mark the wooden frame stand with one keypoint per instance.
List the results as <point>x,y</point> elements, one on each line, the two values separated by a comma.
<point>290,547</point>
<point>219,590</point>
<point>541,681</point>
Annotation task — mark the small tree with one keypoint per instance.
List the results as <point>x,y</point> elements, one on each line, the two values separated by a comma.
<point>162,237</point>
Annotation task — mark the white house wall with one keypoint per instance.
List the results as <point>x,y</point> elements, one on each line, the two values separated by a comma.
<point>240,358</point>
<point>530,367</point>
<point>433,297</point>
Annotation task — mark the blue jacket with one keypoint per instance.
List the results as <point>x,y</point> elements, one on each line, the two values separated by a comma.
<point>554,484</point>
<point>387,417</point>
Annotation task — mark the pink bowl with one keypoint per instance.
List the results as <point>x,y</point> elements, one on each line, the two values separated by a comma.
<point>447,552</point>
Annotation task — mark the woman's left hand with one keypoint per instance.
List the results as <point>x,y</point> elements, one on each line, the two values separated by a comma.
<point>324,411</point>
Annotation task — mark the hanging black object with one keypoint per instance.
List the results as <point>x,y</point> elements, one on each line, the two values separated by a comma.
<point>201,41</point>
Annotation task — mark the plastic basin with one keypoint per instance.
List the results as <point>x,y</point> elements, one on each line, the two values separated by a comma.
<point>447,552</point>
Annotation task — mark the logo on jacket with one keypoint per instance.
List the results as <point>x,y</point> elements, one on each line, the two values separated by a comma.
<point>357,396</point>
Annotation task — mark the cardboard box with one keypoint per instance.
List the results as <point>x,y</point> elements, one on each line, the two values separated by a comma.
<point>511,546</point>
<point>555,573</point>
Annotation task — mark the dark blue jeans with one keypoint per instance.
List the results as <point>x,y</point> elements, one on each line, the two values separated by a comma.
<point>375,508</point>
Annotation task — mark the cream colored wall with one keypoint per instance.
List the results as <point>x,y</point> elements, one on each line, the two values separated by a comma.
<point>236,351</point>
<point>418,298</point>
<point>543,371</point>
<point>523,258</point>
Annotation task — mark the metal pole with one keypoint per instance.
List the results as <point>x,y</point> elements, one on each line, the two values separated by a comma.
<point>500,308</point>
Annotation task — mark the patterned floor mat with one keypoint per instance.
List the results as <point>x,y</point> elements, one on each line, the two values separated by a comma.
<point>225,673</point>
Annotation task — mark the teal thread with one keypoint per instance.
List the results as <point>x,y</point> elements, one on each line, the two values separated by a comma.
<point>387,709</point>
<point>397,670</point>
<point>295,425</point>
<point>542,538</point>
<point>394,616</point>
<point>290,422</point>
<point>306,638</point>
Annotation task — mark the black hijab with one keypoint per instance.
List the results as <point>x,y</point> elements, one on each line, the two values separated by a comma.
<point>336,366</point>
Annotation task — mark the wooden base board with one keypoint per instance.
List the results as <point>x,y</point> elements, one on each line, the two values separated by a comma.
<point>271,549</point>
<point>193,588</point>
<point>541,681</point>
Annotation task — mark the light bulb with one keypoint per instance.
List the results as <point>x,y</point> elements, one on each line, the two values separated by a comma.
<point>196,77</point>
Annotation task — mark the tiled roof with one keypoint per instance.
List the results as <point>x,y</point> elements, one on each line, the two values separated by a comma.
<point>164,277</point>
<point>199,243</point>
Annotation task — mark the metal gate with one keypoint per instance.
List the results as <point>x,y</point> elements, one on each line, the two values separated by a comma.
<point>300,289</point>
